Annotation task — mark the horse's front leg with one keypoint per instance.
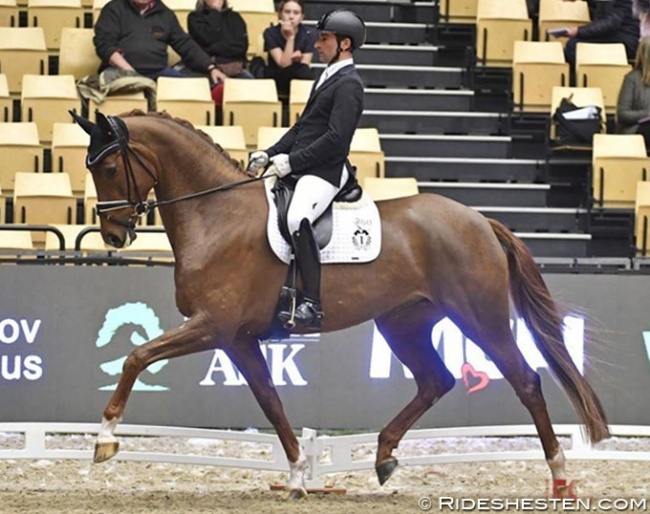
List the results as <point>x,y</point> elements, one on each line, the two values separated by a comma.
<point>193,336</point>
<point>247,356</point>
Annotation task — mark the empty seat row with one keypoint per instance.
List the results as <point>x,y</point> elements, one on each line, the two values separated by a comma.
<point>538,66</point>
<point>499,23</point>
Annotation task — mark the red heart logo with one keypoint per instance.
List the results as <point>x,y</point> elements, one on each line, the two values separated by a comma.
<point>474,380</point>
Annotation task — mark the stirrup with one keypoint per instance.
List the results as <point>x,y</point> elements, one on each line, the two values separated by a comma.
<point>308,314</point>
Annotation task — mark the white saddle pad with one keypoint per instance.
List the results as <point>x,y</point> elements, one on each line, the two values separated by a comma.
<point>356,231</point>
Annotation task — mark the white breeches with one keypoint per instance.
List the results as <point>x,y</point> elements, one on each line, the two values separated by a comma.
<point>311,197</point>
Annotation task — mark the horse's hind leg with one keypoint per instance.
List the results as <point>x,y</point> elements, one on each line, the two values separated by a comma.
<point>192,336</point>
<point>491,332</point>
<point>408,333</point>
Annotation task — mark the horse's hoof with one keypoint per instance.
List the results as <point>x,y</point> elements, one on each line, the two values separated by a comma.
<point>385,469</point>
<point>296,494</point>
<point>104,451</point>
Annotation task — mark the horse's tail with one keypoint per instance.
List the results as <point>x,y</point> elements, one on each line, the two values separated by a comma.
<point>534,303</point>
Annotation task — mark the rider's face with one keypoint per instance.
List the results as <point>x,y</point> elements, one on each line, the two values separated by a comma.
<point>326,46</point>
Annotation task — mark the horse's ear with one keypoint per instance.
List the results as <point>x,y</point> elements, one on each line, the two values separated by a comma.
<point>85,124</point>
<point>102,123</point>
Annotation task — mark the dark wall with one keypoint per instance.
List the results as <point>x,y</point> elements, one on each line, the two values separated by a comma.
<point>64,332</point>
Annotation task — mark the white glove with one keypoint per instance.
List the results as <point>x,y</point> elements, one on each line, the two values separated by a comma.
<point>257,161</point>
<point>281,163</point>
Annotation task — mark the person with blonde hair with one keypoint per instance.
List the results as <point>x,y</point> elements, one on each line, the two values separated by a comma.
<point>634,97</point>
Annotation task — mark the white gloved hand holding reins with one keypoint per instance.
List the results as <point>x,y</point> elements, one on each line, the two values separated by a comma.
<point>257,161</point>
<point>281,164</point>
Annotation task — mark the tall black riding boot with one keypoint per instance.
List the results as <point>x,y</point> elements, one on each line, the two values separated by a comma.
<point>309,312</point>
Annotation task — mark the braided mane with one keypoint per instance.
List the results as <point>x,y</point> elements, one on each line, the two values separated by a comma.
<point>186,124</point>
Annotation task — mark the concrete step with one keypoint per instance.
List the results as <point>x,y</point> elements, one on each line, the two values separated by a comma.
<point>437,122</point>
<point>464,170</point>
<point>496,147</point>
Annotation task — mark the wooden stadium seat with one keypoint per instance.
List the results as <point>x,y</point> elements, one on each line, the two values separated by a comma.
<point>537,67</point>
<point>299,91</point>
<point>43,199</point>
<point>390,188</point>
<point>90,241</point>
<point>69,148</point>
<point>77,55</point>
<point>8,13</point>
<point>46,100</point>
<point>229,138</point>
<point>258,15</point>
<point>22,52</point>
<point>366,154</point>
<point>619,162</point>
<point>20,150</point>
<point>499,23</point>
<point>268,136</point>
<point>97,8</point>
<point>54,15</point>
<point>554,14</point>
<point>181,9</point>
<point>187,98</point>
<point>6,102</point>
<point>458,11</point>
<point>118,104</point>
<point>642,217</point>
<point>251,104</point>
<point>90,202</point>
<point>581,97</point>
<point>602,65</point>
<point>16,240</point>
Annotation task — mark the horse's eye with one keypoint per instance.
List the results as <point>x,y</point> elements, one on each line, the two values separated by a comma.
<point>110,170</point>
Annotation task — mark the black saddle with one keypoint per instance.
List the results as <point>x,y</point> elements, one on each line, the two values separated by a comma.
<point>283,193</point>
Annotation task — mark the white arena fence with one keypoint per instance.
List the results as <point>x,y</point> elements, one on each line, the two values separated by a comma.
<point>326,454</point>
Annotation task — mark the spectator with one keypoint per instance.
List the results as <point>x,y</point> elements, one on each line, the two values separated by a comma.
<point>133,35</point>
<point>634,98</point>
<point>290,47</point>
<point>221,32</point>
<point>612,22</point>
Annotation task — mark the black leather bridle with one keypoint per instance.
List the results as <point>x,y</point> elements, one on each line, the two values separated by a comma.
<point>140,207</point>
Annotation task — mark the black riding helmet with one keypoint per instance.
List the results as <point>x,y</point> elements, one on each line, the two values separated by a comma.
<point>344,23</point>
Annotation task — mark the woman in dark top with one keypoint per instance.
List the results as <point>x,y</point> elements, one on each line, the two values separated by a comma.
<point>290,46</point>
<point>221,32</point>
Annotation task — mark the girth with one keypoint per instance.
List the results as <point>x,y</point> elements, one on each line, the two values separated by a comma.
<point>283,193</point>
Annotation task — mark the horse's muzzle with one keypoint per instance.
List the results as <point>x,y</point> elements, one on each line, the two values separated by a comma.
<point>121,242</point>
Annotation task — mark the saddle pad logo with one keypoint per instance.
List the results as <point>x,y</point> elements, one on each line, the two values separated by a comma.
<point>361,238</point>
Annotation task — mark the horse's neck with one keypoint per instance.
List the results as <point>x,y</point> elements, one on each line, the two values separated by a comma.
<point>192,220</point>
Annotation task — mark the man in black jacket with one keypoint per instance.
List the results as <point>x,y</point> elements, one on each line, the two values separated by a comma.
<point>133,35</point>
<point>315,150</point>
<point>612,22</point>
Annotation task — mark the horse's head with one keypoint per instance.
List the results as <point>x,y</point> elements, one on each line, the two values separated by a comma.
<point>122,177</point>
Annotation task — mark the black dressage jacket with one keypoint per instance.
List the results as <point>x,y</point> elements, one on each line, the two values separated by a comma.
<point>319,143</point>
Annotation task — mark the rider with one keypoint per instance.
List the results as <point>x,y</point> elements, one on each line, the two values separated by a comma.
<point>315,149</point>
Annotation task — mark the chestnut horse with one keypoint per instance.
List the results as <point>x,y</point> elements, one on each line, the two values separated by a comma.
<point>439,258</point>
